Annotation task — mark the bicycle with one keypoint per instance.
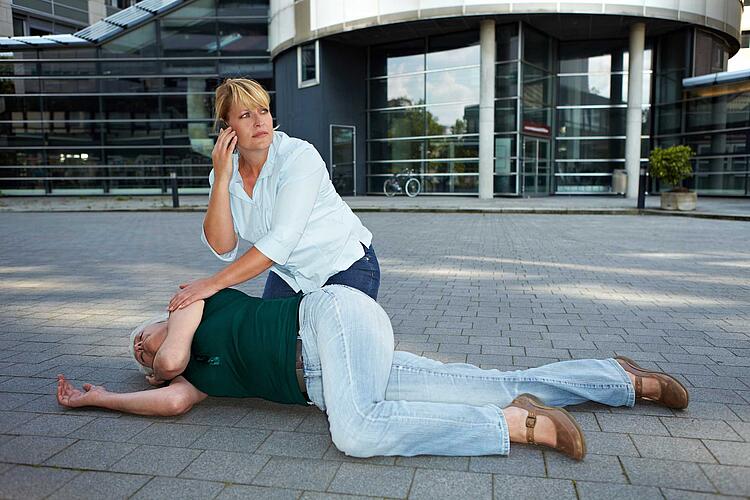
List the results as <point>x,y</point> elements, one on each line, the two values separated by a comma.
<point>411,186</point>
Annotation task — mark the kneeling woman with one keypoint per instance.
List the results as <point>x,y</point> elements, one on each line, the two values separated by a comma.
<point>379,402</point>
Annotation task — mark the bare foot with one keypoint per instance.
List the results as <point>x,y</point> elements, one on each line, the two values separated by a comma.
<point>544,431</point>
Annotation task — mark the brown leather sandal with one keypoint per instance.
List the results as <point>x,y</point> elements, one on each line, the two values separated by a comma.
<point>570,439</point>
<point>672,393</point>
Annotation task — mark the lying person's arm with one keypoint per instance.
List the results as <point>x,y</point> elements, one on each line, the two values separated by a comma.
<point>174,354</point>
<point>175,399</point>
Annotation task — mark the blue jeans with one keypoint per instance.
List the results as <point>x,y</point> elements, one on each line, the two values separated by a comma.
<point>364,275</point>
<point>381,402</point>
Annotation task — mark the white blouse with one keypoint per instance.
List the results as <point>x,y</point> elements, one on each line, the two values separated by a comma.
<point>295,217</point>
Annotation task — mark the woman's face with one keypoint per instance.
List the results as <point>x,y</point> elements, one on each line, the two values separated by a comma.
<point>148,342</point>
<point>254,126</point>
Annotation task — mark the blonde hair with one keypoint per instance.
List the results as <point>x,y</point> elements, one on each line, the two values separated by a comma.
<point>131,346</point>
<point>242,91</point>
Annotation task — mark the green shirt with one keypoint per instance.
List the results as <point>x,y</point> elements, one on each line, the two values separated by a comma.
<point>246,347</point>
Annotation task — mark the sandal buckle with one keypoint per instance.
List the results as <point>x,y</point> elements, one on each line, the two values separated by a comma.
<point>531,421</point>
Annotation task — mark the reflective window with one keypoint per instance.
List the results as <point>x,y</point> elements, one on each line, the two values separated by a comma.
<point>450,51</point>
<point>307,64</point>
<point>711,54</point>
<point>189,37</point>
<point>395,59</point>
<point>453,86</point>
<point>140,42</point>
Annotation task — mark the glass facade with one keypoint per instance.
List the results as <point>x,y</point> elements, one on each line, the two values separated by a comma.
<point>119,117</point>
<point>591,114</point>
<point>714,120</point>
<point>424,112</point>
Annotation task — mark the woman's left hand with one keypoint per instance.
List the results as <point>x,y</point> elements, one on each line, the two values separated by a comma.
<point>190,292</point>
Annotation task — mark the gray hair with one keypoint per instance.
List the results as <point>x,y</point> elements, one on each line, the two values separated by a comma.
<point>156,319</point>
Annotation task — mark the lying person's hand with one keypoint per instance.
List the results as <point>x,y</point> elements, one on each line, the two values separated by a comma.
<point>190,292</point>
<point>68,395</point>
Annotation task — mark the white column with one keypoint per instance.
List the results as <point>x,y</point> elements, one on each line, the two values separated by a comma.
<point>635,98</point>
<point>486,108</point>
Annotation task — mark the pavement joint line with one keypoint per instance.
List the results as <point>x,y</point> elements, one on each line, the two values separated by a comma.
<point>426,210</point>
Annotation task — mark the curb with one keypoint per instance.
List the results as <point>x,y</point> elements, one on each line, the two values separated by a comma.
<point>457,210</point>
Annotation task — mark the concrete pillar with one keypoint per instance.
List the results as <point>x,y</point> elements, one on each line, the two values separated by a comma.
<point>486,108</point>
<point>635,98</point>
<point>6,18</point>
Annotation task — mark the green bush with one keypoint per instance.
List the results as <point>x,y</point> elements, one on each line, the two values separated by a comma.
<point>671,165</point>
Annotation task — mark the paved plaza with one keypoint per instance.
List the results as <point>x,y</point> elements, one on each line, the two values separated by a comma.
<point>498,290</point>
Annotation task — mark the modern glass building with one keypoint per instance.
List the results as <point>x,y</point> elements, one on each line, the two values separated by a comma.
<point>502,98</point>
<point>119,105</point>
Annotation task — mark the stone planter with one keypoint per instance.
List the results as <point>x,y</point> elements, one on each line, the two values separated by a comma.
<point>679,201</point>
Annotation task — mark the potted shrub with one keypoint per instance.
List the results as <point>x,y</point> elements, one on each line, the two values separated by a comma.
<point>672,165</point>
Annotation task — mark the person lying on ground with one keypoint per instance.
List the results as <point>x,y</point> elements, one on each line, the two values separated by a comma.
<point>334,348</point>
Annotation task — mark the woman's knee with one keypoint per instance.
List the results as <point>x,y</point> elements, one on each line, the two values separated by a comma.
<point>351,439</point>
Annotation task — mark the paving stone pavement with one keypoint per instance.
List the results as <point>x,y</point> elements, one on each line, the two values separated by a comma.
<point>501,291</point>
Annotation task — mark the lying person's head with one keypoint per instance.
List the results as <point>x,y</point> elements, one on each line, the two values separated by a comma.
<point>145,341</point>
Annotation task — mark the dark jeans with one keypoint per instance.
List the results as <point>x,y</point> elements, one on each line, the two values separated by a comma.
<point>364,275</point>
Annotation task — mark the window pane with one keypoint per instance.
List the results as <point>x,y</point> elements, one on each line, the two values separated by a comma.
<point>456,49</point>
<point>536,48</point>
<point>453,86</point>
<point>505,115</point>
<point>129,67</point>
<point>243,37</point>
<point>397,150</point>
<point>307,63</point>
<point>196,10</point>
<point>143,107</point>
<point>452,119</point>
<point>453,147</point>
<point>397,91</point>
<point>140,42</point>
<point>242,7</point>
<point>188,37</point>
<point>397,58</point>
<point>73,133</point>
<point>397,123</point>
<point>506,39</point>
<point>72,86</point>
<point>506,80</point>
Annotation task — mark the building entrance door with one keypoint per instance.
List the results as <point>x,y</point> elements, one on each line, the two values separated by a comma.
<point>343,159</point>
<point>535,178</point>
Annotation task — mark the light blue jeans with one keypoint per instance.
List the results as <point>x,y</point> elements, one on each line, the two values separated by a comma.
<point>381,402</point>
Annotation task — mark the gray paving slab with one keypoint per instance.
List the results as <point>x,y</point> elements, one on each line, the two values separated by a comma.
<point>670,448</point>
<point>32,449</point>
<point>26,483</point>
<point>666,473</point>
<point>373,480</point>
<point>590,490</point>
<point>523,460</point>
<point>295,444</point>
<point>434,485</point>
<point>225,466</point>
<point>297,473</point>
<point>594,467</point>
<point>532,488</point>
<point>170,434</point>
<point>522,290</point>
<point>173,487</point>
<point>93,455</point>
<point>231,439</point>
<point>163,460</point>
<point>241,492</point>
<point>729,480</point>
<point>96,485</point>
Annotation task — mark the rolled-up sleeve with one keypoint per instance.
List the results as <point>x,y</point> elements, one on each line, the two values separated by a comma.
<point>226,257</point>
<point>232,254</point>
<point>298,191</point>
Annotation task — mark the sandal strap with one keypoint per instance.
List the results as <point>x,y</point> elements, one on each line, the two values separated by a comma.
<point>638,386</point>
<point>530,424</point>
